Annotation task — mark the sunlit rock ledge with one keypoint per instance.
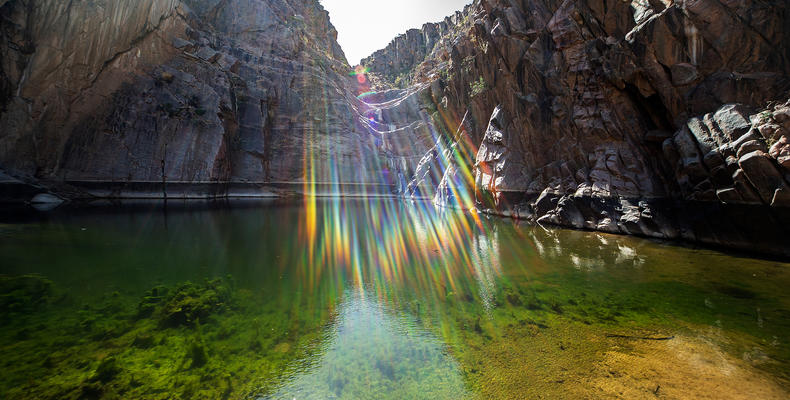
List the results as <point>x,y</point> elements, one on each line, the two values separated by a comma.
<point>610,116</point>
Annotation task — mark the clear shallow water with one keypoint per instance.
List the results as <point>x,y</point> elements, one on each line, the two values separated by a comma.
<point>376,299</point>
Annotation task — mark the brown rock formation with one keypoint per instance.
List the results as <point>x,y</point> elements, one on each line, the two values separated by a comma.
<point>661,118</point>
<point>168,91</point>
<point>396,62</point>
<point>621,116</point>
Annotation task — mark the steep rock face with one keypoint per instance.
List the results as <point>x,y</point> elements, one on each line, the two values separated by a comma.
<point>188,91</point>
<point>496,159</point>
<point>595,114</point>
<point>53,52</point>
<point>395,63</point>
<point>609,115</point>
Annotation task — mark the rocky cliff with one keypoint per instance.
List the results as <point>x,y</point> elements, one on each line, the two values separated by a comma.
<point>396,63</point>
<point>661,118</point>
<point>134,97</point>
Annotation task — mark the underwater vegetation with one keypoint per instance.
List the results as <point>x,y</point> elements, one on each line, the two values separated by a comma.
<point>215,340</point>
<point>233,305</point>
<point>23,293</point>
<point>192,340</point>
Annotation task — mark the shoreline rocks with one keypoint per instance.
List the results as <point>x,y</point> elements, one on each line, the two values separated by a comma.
<point>596,115</point>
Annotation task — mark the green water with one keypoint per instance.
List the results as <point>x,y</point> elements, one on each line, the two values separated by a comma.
<point>362,299</point>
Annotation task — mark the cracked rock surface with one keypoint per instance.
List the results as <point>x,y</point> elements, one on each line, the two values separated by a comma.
<point>661,118</point>
<point>620,116</point>
<point>190,91</point>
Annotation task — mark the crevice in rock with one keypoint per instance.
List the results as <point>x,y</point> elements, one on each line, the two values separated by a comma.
<point>132,45</point>
<point>652,107</point>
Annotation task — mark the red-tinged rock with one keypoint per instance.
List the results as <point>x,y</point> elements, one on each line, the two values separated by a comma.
<point>762,174</point>
<point>781,152</point>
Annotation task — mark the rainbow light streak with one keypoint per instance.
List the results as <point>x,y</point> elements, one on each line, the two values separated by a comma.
<point>444,243</point>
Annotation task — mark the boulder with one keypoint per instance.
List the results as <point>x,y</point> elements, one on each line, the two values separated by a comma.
<point>781,152</point>
<point>761,172</point>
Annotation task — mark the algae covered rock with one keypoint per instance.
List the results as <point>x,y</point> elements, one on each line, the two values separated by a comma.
<point>107,370</point>
<point>23,293</point>
<point>144,341</point>
<point>197,354</point>
<point>151,300</point>
<point>190,302</point>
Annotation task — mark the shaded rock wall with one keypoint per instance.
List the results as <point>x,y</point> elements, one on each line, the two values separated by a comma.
<point>54,52</point>
<point>608,115</point>
<point>178,91</point>
<point>594,114</point>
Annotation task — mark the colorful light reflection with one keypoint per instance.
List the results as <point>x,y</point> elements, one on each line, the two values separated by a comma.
<point>379,248</point>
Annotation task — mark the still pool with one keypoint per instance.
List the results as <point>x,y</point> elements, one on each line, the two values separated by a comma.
<point>375,299</point>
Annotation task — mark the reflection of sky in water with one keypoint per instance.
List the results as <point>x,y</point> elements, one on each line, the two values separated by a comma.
<point>373,352</point>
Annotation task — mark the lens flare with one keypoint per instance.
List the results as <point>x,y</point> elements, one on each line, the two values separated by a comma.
<point>409,229</point>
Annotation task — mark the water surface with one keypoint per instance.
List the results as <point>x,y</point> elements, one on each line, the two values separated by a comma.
<point>356,299</point>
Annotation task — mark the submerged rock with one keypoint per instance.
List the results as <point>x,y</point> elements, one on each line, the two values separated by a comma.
<point>152,298</point>
<point>107,370</point>
<point>197,355</point>
<point>144,341</point>
<point>46,198</point>
<point>46,202</point>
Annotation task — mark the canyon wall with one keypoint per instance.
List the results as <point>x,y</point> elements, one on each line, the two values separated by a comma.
<point>182,92</point>
<point>396,63</point>
<point>660,118</point>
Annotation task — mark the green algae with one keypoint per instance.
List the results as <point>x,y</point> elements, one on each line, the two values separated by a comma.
<point>107,370</point>
<point>188,303</point>
<point>24,293</point>
<point>224,305</point>
<point>195,343</point>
